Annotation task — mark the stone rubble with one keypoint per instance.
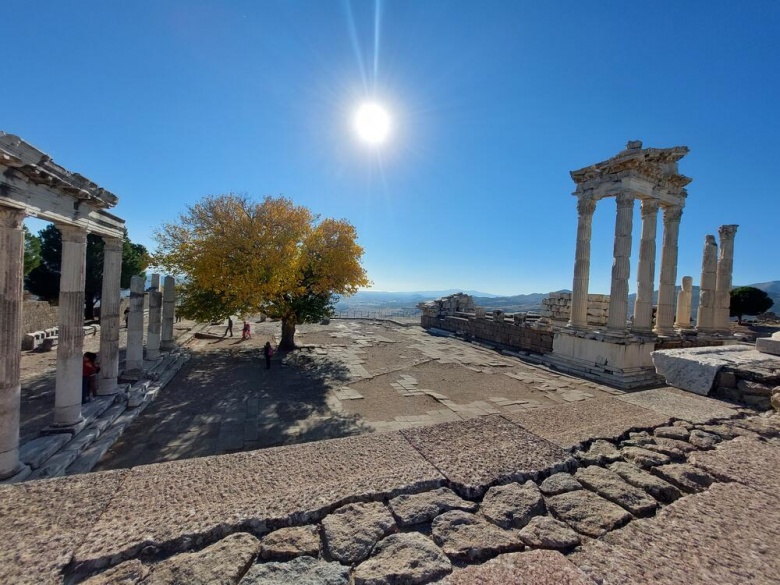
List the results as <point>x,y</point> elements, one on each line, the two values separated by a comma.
<point>403,559</point>
<point>513,505</point>
<point>609,485</point>
<point>547,532</point>
<point>466,537</point>
<point>287,543</point>
<point>350,532</point>
<point>559,483</point>
<point>410,509</point>
<point>587,513</point>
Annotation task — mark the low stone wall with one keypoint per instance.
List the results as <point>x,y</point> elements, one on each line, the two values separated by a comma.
<point>507,334</point>
<point>750,387</point>
<point>39,316</point>
<point>681,342</point>
<point>557,307</point>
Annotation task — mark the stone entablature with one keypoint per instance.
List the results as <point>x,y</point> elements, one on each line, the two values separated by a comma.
<point>557,307</point>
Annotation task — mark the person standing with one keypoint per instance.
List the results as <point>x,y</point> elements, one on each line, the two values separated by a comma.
<point>246,332</point>
<point>88,370</point>
<point>229,328</point>
<point>268,351</point>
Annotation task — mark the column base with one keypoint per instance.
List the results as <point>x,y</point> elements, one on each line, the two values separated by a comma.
<point>19,473</point>
<point>168,345</point>
<point>152,354</point>
<point>72,429</point>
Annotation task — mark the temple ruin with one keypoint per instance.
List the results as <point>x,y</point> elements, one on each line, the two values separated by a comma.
<point>592,335</point>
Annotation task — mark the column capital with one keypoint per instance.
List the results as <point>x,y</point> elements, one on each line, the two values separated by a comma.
<point>673,213</point>
<point>727,232</point>
<point>72,233</point>
<point>649,207</point>
<point>11,217</point>
<point>113,244</point>
<point>586,205</point>
<point>624,199</point>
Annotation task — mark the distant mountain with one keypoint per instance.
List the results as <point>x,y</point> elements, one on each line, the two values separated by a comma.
<point>523,303</point>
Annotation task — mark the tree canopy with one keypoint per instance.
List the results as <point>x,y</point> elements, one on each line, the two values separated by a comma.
<point>748,300</point>
<point>242,257</point>
<point>32,251</point>
<point>44,280</point>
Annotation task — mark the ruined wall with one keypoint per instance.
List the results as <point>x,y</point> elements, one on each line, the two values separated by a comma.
<point>38,316</point>
<point>507,334</point>
<point>557,307</point>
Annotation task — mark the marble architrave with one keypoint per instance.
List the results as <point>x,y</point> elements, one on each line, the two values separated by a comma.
<point>11,268</point>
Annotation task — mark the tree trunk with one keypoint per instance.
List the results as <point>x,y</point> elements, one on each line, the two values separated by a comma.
<point>288,334</point>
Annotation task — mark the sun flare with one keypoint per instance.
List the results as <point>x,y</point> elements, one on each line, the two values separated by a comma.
<point>372,123</point>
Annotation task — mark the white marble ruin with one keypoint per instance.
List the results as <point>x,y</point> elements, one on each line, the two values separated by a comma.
<point>32,185</point>
<point>684,299</point>
<point>705,315</point>
<point>770,345</point>
<point>155,320</point>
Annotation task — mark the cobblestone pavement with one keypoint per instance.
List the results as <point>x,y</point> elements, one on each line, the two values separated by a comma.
<point>349,377</point>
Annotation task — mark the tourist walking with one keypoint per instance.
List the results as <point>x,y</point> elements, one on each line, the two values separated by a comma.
<point>246,332</point>
<point>268,351</point>
<point>229,328</point>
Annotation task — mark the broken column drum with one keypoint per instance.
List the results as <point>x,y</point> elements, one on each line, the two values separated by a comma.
<point>684,298</point>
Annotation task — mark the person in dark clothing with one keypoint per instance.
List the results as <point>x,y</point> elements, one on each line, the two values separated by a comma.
<point>268,351</point>
<point>127,314</point>
<point>229,328</point>
<point>89,369</point>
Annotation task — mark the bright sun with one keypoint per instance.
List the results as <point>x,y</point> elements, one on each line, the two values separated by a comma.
<point>372,123</point>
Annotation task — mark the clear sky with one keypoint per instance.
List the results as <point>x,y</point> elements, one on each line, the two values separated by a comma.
<point>492,104</point>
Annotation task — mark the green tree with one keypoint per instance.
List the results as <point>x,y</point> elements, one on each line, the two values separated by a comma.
<point>242,257</point>
<point>32,251</point>
<point>44,281</point>
<point>748,300</point>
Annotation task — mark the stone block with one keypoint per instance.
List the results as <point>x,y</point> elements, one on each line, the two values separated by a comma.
<point>540,567</point>
<point>34,453</point>
<point>678,404</point>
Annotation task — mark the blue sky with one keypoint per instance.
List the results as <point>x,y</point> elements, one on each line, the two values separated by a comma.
<point>493,103</point>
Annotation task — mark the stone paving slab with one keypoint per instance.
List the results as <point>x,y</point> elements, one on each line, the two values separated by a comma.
<point>478,453</point>
<point>729,534</point>
<point>681,405</point>
<point>539,567</point>
<point>181,503</point>
<point>574,423</point>
<point>744,460</point>
<point>44,521</point>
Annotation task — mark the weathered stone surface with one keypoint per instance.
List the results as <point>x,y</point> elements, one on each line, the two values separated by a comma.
<point>574,423</point>
<point>222,563</point>
<point>600,452</point>
<point>766,426</point>
<point>775,400</point>
<point>34,453</point>
<point>464,536</point>
<point>661,490</point>
<point>587,513</point>
<point>724,431</point>
<point>695,368</point>
<point>294,484</point>
<point>644,457</point>
<point>684,424</point>
<point>44,521</point>
<point>547,532</point>
<point>729,535</point>
<point>685,476</point>
<point>743,460</point>
<point>416,508</point>
<point>538,567</point>
<point>672,453</point>
<point>559,483</point>
<point>287,543</point>
<point>754,388</point>
<point>769,345</point>
<point>505,452</point>
<point>350,532</point>
<point>299,571</point>
<point>513,505</point>
<point>611,486</point>
<point>678,446</point>
<point>679,404</point>
<point>673,432</point>
<point>703,440</point>
<point>403,559</point>
<point>127,573</point>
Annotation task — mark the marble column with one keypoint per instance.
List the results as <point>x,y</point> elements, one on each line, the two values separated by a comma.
<point>643,307</point>
<point>169,308</point>
<point>579,295</point>
<point>726,235</point>
<point>70,345</point>
<point>109,316</point>
<point>683,318</point>
<point>621,265</point>
<point>11,269</point>
<point>705,316</point>
<point>155,316</point>
<point>134,358</point>
<point>664,318</point>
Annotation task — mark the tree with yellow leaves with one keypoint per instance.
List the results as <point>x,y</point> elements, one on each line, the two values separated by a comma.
<point>241,257</point>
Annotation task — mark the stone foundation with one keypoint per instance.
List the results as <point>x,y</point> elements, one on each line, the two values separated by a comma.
<point>557,307</point>
<point>513,335</point>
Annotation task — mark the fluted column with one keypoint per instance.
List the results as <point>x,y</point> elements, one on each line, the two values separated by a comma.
<point>169,308</point>
<point>705,315</point>
<point>109,316</point>
<point>11,269</point>
<point>155,316</point>
<point>723,279</point>
<point>643,307</point>
<point>70,345</point>
<point>683,318</point>
<point>579,295</point>
<point>621,265</point>
<point>664,318</point>
<point>134,358</point>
